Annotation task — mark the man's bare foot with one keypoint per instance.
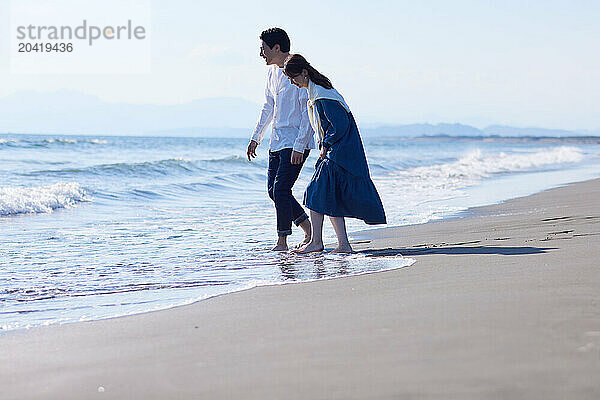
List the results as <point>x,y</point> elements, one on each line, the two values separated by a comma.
<point>342,249</point>
<point>281,244</point>
<point>310,248</point>
<point>280,247</point>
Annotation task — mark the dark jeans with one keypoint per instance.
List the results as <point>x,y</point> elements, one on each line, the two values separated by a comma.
<point>282,175</point>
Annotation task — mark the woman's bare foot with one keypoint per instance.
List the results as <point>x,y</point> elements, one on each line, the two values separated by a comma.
<point>302,243</point>
<point>310,248</point>
<point>344,249</point>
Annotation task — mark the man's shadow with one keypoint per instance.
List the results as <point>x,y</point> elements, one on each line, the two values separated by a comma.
<point>459,250</point>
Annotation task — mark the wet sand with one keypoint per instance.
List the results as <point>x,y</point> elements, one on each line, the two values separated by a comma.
<point>503,303</point>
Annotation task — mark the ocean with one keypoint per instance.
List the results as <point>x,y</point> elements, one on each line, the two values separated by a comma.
<point>97,227</point>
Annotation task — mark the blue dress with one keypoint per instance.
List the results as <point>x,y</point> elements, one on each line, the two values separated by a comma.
<point>341,185</point>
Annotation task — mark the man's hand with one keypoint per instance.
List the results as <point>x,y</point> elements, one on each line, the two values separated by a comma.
<point>251,151</point>
<point>297,157</point>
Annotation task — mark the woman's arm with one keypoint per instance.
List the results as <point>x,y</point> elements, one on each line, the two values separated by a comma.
<point>305,133</point>
<point>334,120</point>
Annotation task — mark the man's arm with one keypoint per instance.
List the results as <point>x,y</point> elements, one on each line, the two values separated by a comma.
<point>266,116</point>
<point>305,131</point>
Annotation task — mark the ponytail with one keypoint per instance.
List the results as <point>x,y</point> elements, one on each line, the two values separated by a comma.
<point>294,65</point>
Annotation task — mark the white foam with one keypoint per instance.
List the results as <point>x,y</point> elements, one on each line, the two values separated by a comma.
<point>65,140</point>
<point>40,199</point>
<point>60,140</point>
<point>56,140</point>
<point>98,141</point>
<point>420,194</point>
<point>475,165</point>
<point>167,300</point>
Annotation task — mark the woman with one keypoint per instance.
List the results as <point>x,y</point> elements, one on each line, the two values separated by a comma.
<point>341,185</point>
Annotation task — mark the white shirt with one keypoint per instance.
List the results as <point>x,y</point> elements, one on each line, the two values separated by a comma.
<point>286,107</point>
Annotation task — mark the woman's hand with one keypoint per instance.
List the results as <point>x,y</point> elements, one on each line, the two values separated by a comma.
<point>323,154</point>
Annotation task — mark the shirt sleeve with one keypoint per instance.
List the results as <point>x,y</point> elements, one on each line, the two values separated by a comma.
<point>305,132</point>
<point>266,115</point>
<point>334,121</point>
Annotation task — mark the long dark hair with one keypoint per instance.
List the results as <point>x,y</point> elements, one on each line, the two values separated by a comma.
<point>295,63</point>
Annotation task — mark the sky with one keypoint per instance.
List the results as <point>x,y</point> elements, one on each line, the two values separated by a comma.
<point>519,63</point>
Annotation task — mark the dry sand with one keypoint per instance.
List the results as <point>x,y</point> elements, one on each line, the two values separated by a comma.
<point>501,304</point>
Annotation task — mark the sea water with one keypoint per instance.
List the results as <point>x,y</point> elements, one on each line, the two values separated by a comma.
<point>96,227</point>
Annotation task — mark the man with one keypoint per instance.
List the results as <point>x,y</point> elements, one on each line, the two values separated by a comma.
<point>291,136</point>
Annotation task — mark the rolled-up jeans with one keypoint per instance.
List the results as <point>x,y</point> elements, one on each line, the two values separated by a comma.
<point>282,175</point>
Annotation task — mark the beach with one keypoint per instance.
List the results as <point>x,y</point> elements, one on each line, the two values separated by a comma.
<point>502,302</point>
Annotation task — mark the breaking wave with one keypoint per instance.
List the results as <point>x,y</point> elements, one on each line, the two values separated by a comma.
<point>476,166</point>
<point>40,199</point>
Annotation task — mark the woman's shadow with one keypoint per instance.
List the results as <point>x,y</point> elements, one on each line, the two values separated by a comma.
<point>459,250</point>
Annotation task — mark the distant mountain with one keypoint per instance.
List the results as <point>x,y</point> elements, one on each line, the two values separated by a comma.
<point>72,112</point>
<point>414,130</point>
<point>500,130</point>
<point>423,130</point>
<point>589,132</point>
<point>204,132</point>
